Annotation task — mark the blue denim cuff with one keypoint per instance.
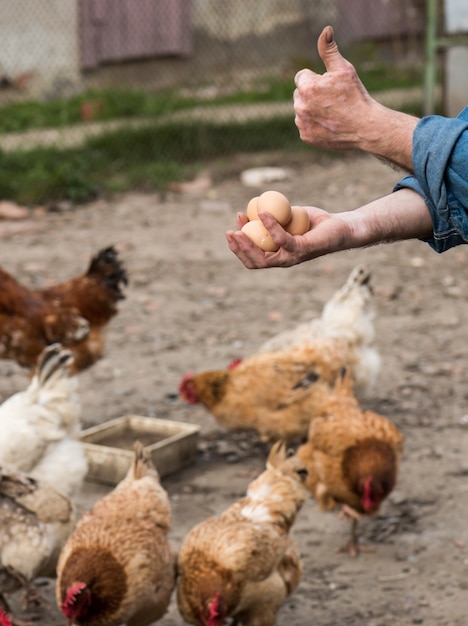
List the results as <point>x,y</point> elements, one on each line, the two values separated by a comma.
<point>440,159</point>
<point>446,234</point>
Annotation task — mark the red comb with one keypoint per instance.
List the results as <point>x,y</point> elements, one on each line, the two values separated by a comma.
<point>5,619</point>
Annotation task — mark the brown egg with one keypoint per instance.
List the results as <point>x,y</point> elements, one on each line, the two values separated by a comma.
<point>251,211</point>
<point>300,222</point>
<point>277,204</point>
<point>259,235</point>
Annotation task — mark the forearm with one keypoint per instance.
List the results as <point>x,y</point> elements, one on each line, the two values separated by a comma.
<point>398,216</point>
<point>387,134</point>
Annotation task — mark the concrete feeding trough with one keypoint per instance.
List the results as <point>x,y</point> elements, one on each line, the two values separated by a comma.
<point>109,446</point>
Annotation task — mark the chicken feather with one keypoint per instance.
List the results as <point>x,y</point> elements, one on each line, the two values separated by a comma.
<point>118,565</point>
<point>39,427</point>
<point>75,313</point>
<point>243,563</point>
<point>275,394</point>
<point>352,457</point>
<point>35,521</point>
<point>348,315</point>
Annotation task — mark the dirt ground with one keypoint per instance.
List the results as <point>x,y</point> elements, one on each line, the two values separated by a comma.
<point>192,306</point>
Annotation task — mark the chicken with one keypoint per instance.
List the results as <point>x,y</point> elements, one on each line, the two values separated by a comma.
<point>243,564</point>
<point>352,458</point>
<point>75,313</point>
<point>275,394</point>
<point>118,566</point>
<point>39,427</point>
<point>35,521</point>
<point>348,315</point>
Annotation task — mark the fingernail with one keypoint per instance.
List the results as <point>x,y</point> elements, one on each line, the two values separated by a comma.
<point>329,35</point>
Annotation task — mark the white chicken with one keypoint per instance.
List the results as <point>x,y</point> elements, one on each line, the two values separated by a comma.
<point>348,315</point>
<point>39,426</point>
<point>35,521</point>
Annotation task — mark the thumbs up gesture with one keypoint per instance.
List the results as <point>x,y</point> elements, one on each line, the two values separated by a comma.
<point>335,111</point>
<point>332,109</point>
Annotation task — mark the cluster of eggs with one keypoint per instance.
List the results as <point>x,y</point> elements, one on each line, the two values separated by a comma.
<point>294,219</point>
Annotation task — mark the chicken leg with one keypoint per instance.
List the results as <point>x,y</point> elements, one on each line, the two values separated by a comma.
<point>353,547</point>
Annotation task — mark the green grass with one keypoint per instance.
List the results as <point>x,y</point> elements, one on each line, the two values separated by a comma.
<point>148,158</point>
<point>151,157</point>
<point>112,104</point>
<point>133,103</point>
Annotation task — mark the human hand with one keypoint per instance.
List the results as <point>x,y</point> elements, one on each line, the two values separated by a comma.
<point>333,110</point>
<point>327,233</point>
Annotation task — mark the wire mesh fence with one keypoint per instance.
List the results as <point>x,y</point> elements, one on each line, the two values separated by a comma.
<point>148,83</point>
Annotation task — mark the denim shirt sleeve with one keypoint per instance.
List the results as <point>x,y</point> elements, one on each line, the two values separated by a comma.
<point>440,161</point>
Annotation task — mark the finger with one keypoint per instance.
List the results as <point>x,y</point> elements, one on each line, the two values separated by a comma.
<point>241,220</point>
<point>305,126</point>
<point>251,256</point>
<point>328,51</point>
<point>277,232</point>
<point>299,101</point>
<point>303,76</point>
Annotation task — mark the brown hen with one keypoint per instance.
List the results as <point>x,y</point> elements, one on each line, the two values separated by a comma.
<point>352,458</point>
<point>74,313</point>
<point>118,566</point>
<point>243,564</point>
<point>275,394</point>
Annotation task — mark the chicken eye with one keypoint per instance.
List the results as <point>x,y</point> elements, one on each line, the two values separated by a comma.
<point>303,473</point>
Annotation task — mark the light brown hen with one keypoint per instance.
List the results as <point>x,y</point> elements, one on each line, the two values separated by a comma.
<point>118,566</point>
<point>276,394</point>
<point>352,457</point>
<point>243,564</point>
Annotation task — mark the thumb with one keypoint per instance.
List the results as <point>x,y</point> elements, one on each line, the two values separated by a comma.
<point>328,51</point>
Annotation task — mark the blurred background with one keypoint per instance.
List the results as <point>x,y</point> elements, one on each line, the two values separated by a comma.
<point>102,96</point>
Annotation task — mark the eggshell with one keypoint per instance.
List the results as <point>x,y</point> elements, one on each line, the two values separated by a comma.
<point>277,204</point>
<point>252,212</point>
<point>299,223</point>
<point>259,235</point>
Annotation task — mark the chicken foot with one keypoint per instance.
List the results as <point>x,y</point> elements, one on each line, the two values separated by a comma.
<point>20,622</point>
<point>31,597</point>
<point>4,605</point>
<point>353,547</point>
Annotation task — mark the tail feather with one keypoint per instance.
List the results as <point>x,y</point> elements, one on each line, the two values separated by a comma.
<point>277,454</point>
<point>142,462</point>
<point>108,268</point>
<point>53,360</point>
<point>345,383</point>
<point>359,275</point>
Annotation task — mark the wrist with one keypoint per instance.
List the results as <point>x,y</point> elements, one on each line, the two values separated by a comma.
<point>356,231</point>
<point>395,217</point>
